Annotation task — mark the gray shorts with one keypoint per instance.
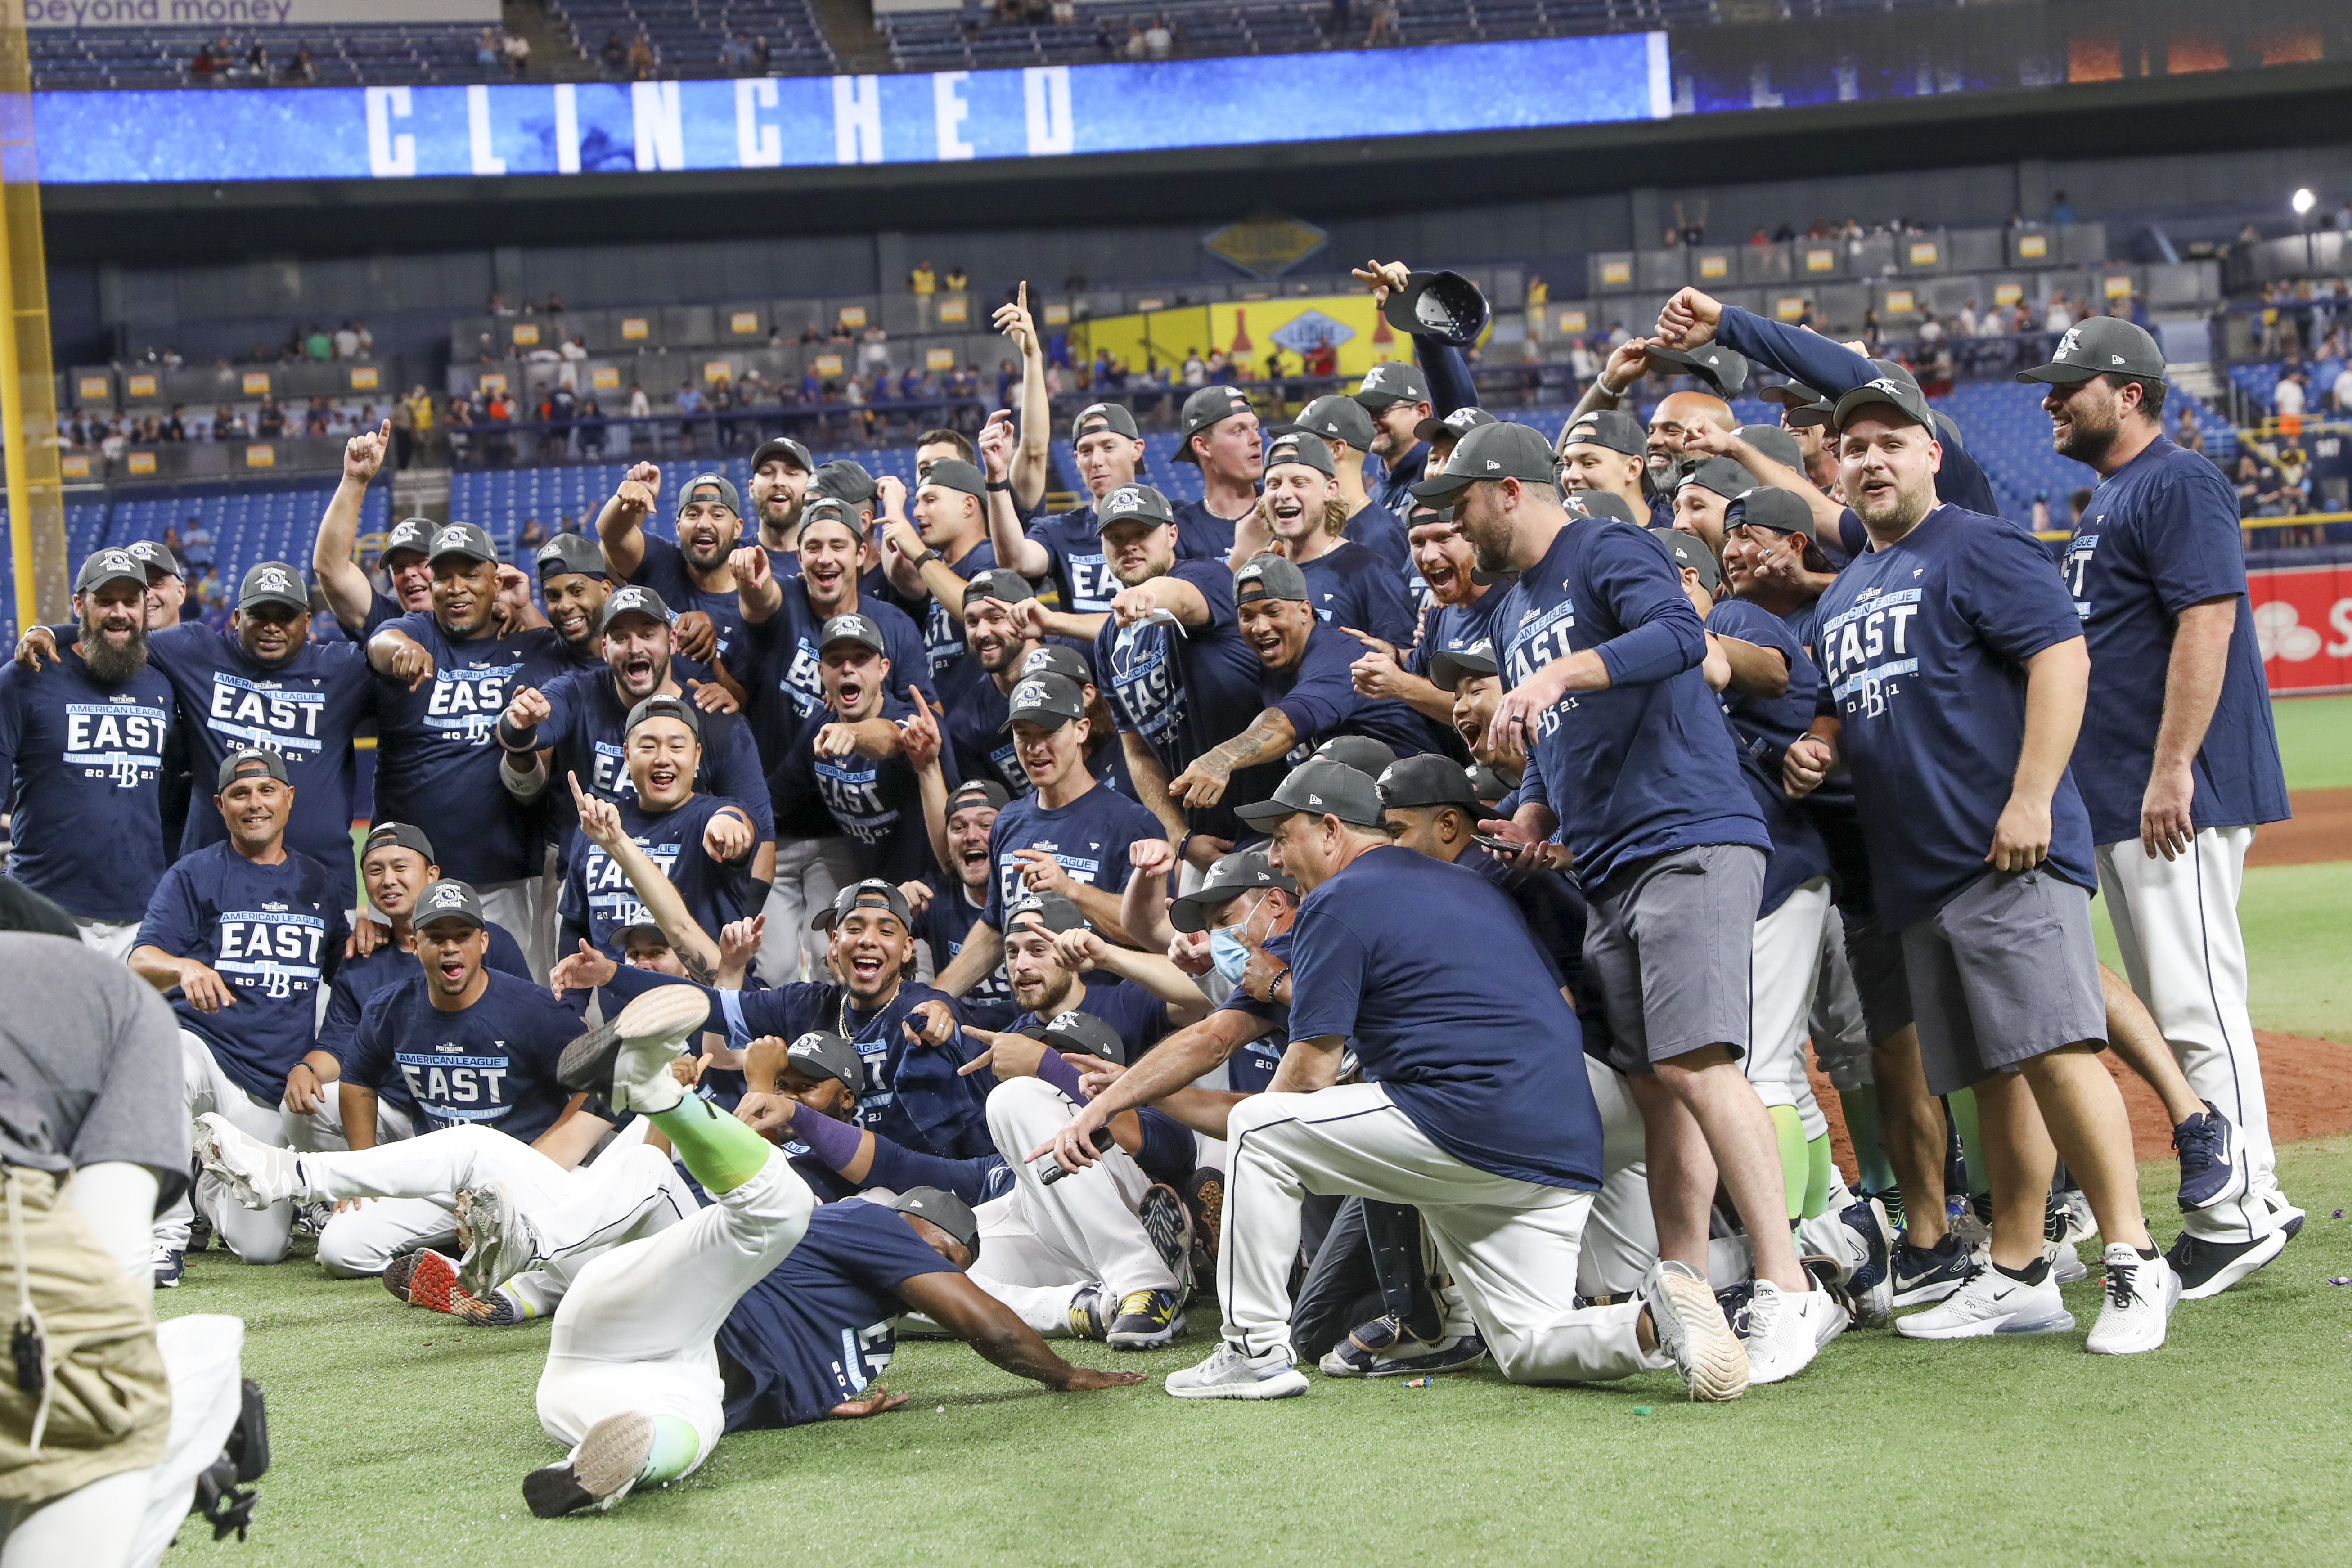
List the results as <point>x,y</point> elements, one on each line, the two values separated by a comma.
<point>1668,944</point>
<point>2006,972</point>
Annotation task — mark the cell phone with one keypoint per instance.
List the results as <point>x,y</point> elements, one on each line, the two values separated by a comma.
<point>1500,845</point>
<point>1053,1171</point>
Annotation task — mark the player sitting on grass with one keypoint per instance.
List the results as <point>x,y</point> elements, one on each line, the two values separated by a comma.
<point>761,1310</point>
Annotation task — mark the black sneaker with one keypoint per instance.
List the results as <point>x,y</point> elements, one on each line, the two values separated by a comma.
<point>1926,1274</point>
<point>600,1472</point>
<point>2209,1268</point>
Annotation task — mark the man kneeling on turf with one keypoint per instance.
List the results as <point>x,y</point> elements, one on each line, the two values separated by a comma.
<point>758,1310</point>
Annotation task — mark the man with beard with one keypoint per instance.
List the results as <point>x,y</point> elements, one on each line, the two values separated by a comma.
<point>2178,762</point>
<point>1461,615</point>
<point>1165,689</point>
<point>869,760</point>
<point>82,753</point>
<point>1957,665</point>
<point>1628,757</point>
<point>930,561</point>
<point>1106,449</point>
<point>358,608</point>
<point>781,470</point>
<point>699,844</point>
<point>907,1032</point>
<point>443,682</point>
<point>946,903</point>
<point>573,582</point>
<point>263,682</point>
<point>996,650</point>
<point>246,932</point>
<point>1302,514</point>
<point>1217,433</point>
<point>782,618</point>
<point>1306,687</point>
<point>694,573</point>
<point>577,726</point>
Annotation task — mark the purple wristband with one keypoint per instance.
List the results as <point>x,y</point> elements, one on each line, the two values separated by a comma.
<point>1054,1070</point>
<point>834,1142</point>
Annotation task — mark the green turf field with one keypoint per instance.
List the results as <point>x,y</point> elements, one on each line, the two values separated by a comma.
<point>401,1436</point>
<point>2316,741</point>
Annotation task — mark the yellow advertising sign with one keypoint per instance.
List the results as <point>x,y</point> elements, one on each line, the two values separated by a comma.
<point>1713,267</point>
<point>2119,288</point>
<point>954,310</point>
<point>261,457</point>
<point>364,378</point>
<point>635,327</point>
<point>2032,246</point>
<point>526,334</point>
<point>852,315</point>
<point>605,378</point>
<point>1248,331</point>
<point>95,388</point>
<point>938,359</point>
<point>141,385</point>
<point>1899,302</point>
<point>718,369</point>
<point>255,383</point>
<point>138,462</point>
<point>1821,259</point>
<point>744,323</point>
<point>2007,293</point>
<point>1788,308</point>
<point>1616,272</point>
<point>73,465</point>
<point>1573,321</point>
<point>828,365</point>
<point>1923,253</point>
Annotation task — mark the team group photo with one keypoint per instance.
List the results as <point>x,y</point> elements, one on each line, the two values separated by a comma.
<point>1262,830</point>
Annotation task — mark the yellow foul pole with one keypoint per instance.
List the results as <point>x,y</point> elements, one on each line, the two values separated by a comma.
<point>28,407</point>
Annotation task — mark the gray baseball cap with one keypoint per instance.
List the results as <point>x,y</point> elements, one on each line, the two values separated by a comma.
<point>106,566</point>
<point>1056,659</point>
<point>249,761</point>
<point>873,893</point>
<point>1209,406</point>
<point>853,629</point>
<point>1307,452</point>
<point>568,553</point>
<point>448,899</point>
<point>1428,780</point>
<point>1606,504</point>
<point>783,446</point>
<point>832,508</point>
<point>1361,753</point>
<point>409,533</point>
<point>1047,700</point>
<point>1713,363</point>
<point>1774,443</point>
<point>1053,911</point>
<point>461,539</point>
<point>955,474</point>
<point>1688,550</point>
<point>676,707</point>
<point>154,554</point>
<point>1228,878</point>
<point>821,1054</point>
<point>1338,416</point>
<point>1612,428</point>
<point>399,835</point>
<point>1133,504</point>
<point>1723,476</point>
<point>2100,345</point>
<point>273,582</point>
<point>979,792</point>
<point>710,487</point>
<point>1502,450</point>
<point>1902,395</point>
<point>1452,427</point>
<point>1269,577</point>
<point>634,600</point>
<point>1320,789</point>
<point>1080,1032</point>
<point>843,479</point>
<point>1001,583</point>
<point>1449,666</point>
<point>1096,418</point>
<point>943,1209</point>
<point>1391,381</point>
<point>1782,511</point>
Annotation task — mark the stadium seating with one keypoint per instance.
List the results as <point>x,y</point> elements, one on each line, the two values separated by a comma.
<point>391,54</point>
<point>687,38</point>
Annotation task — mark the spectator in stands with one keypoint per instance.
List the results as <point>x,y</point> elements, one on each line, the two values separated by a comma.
<point>640,406</point>
<point>487,49</point>
<point>923,283</point>
<point>957,283</point>
<point>531,537</point>
<point>1065,13</point>
<point>592,444</point>
<point>763,57</point>
<point>257,61</point>
<point>272,424</point>
<point>518,53</point>
<point>226,424</point>
<point>642,63</point>
<point>1134,48</point>
<point>2188,436</point>
<point>1384,20</point>
<point>2060,209</point>
<point>175,428</point>
<point>614,55</point>
<point>734,53</point>
<point>875,353</point>
<point>201,69</point>
<point>347,341</point>
<point>2059,316</point>
<point>2288,400</point>
<point>299,71</point>
<point>2254,484</point>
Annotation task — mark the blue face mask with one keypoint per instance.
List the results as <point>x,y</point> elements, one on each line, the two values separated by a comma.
<point>1227,952</point>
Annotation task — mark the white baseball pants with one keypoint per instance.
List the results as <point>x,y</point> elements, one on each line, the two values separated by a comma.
<point>1039,1244</point>
<point>1511,1245</point>
<point>1787,965</point>
<point>2177,924</point>
<point>810,873</point>
<point>255,1236</point>
<point>636,1332</point>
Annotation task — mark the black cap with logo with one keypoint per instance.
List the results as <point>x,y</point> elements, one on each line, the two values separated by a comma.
<point>1305,451</point>
<point>1606,504</point>
<point>710,488</point>
<point>1209,406</point>
<point>1449,666</point>
<point>1428,780</point>
<point>855,628</point>
<point>1689,553</point>
<point>634,600</point>
<point>1502,450</point>
<point>1782,511</point>
<point>1133,504</point>
<point>397,834</point>
<point>943,1209</point>
<point>409,533</point>
<point>1048,701</point>
<point>1056,659</point>
<point>821,1054</point>
<point>106,566</point>
<point>1902,394</point>
<point>783,446</point>
<point>2101,346</point>
<point>1095,418</point>
<point>247,763</point>
<point>449,899</point>
<point>461,539</point>
<point>832,508</point>
<point>1320,789</point>
<point>1452,427</point>
<point>1444,306</point>
<point>1725,477</point>
<point>1336,416</point>
<point>568,553</point>
<point>1269,577</point>
<point>1228,878</point>
<point>1713,363</point>
<point>676,707</point>
<point>979,792</point>
<point>1047,910</point>
<point>843,481</point>
<point>273,582</point>
<point>1391,381</point>
<point>1000,583</point>
<point>1083,1033</point>
<point>873,893</point>
<point>154,554</point>
<point>1614,428</point>
<point>955,474</point>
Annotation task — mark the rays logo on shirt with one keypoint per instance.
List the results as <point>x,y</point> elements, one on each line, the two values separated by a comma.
<point>273,951</point>
<point>611,898</point>
<point>124,745</point>
<point>1143,682</point>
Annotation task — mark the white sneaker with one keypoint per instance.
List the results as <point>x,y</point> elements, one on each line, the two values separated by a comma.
<point>1691,1331</point>
<point>258,1174</point>
<point>2140,1295</point>
<point>497,1239</point>
<point>1231,1374</point>
<point>1786,1331</point>
<point>1991,1303</point>
<point>599,1473</point>
<point>626,1058</point>
<point>2066,1267</point>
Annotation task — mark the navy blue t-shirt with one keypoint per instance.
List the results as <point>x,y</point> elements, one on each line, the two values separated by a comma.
<point>1644,767</point>
<point>1763,728</point>
<point>1079,568</point>
<point>437,758</point>
<point>273,933</point>
<point>1426,965</point>
<point>2160,535</point>
<point>821,1325</point>
<point>1923,647</point>
<point>777,666</point>
<point>1202,535</point>
<point>1454,627</point>
<point>490,1065</point>
<point>358,981</point>
<point>1089,837</point>
<point>1154,674</point>
<point>304,709</point>
<point>1318,696</point>
<point>1350,586</point>
<point>876,804</point>
<point>663,568</point>
<point>84,763</point>
<point>1392,487</point>
<point>587,729</point>
<point>942,633</point>
<point>1223,681</point>
<point>1381,532</point>
<point>943,923</point>
<point>974,730</point>
<point>598,901</point>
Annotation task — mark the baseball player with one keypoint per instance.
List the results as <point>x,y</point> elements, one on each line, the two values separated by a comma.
<point>1458,613</point>
<point>930,561</point>
<point>1955,669</point>
<point>2178,723</point>
<point>665,1343</point>
<point>1601,660</point>
<point>1346,431</point>
<point>1303,512</point>
<point>574,584</point>
<point>81,755</point>
<point>781,470</point>
<point>358,608</point>
<point>1106,449</point>
<point>245,933</point>
<point>1218,433</point>
<point>696,573</point>
<point>946,902</point>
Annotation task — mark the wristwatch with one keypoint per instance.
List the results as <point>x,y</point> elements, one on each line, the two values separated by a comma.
<point>1000,484</point>
<point>927,556</point>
